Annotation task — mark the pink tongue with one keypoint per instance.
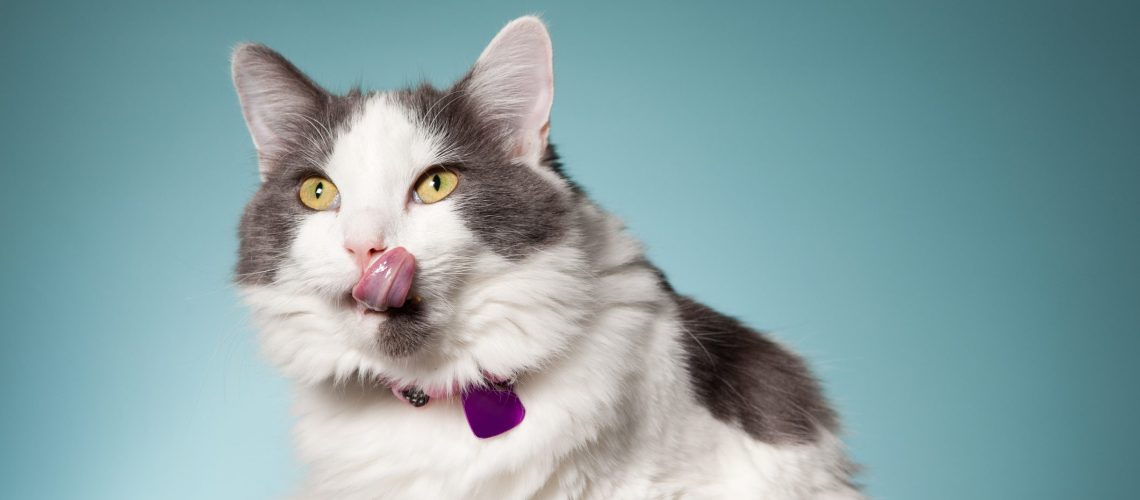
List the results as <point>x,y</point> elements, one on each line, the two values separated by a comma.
<point>386,281</point>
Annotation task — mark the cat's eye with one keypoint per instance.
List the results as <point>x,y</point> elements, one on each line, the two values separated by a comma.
<point>435,185</point>
<point>318,193</point>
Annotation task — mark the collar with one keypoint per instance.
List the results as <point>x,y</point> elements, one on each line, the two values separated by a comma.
<point>491,408</point>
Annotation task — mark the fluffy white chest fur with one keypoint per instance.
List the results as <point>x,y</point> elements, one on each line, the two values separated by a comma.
<point>631,390</point>
<point>614,417</point>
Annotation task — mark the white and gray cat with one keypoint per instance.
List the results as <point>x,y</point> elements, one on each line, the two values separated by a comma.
<point>461,321</point>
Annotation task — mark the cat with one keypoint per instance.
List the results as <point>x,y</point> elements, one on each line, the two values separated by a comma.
<point>459,320</point>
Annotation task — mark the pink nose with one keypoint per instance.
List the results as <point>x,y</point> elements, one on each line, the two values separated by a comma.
<point>363,251</point>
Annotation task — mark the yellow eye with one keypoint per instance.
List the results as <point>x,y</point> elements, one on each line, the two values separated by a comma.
<point>318,193</point>
<point>435,185</point>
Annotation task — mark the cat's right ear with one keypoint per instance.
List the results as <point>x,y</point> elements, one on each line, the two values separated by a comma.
<point>277,100</point>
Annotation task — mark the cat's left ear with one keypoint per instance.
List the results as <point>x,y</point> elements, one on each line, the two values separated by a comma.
<point>513,81</point>
<point>278,101</point>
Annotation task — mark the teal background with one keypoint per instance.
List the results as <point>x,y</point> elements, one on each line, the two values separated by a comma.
<point>935,202</point>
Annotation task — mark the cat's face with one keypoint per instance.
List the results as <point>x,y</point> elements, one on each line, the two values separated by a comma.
<point>448,201</point>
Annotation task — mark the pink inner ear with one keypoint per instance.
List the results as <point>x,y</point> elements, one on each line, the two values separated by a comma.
<point>533,126</point>
<point>538,119</point>
<point>523,147</point>
<point>514,76</point>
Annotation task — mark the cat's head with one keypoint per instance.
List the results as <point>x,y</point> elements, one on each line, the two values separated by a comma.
<point>456,189</point>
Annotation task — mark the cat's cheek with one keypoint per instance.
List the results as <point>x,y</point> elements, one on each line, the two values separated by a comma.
<point>318,250</point>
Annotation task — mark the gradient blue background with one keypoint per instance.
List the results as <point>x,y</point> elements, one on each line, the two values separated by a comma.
<point>936,202</point>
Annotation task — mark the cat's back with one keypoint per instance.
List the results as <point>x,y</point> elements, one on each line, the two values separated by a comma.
<point>775,435</point>
<point>743,377</point>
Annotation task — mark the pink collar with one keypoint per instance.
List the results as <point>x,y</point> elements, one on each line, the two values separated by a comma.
<point>491,409</point>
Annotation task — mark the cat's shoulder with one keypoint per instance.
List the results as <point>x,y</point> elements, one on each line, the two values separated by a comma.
<point>746,379</point>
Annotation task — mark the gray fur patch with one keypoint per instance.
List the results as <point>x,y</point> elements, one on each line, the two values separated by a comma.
<point>268,224</point>
<point>744,378</point>
<point>511,208</point>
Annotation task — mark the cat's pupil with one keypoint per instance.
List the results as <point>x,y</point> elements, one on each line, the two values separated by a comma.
<point>435,182</point>
<point>320,189</point>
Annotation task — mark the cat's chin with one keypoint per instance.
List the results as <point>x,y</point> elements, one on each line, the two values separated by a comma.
<point>364,311</point>
<point>399,332</point>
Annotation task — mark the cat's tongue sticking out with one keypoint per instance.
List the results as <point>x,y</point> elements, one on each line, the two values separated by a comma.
<point>387,281</point>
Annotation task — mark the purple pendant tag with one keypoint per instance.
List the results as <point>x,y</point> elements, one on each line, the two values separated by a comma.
<point>492,410</point>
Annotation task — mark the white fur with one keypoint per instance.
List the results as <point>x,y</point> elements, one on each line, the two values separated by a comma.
<point>592,339</point>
